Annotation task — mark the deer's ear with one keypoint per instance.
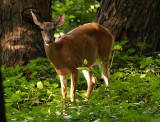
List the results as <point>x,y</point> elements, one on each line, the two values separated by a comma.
<point>60,20</point>
<point>35,19</point>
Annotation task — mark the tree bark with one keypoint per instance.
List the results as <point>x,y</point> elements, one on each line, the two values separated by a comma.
<point>136,20</point>
<point>20,39</point>
<point>2,108</point>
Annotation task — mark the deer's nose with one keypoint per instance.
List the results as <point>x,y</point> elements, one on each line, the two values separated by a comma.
<point>48,41</point>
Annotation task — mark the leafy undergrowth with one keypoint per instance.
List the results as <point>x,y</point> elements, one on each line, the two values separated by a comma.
<point>33,92</point>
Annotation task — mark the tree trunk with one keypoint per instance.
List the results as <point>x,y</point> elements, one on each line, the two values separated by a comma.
<point>2,108</point>
<point>20,39</point>
<point>136,20</point>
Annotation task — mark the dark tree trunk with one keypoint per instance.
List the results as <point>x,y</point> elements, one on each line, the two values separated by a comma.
<point>136,20</point>
<point>2,108</point>
<point>19,37</point>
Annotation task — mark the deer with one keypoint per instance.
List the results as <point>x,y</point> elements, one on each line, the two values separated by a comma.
<point>89,42</point>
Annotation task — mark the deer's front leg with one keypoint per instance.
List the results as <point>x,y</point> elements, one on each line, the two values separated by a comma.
<point>74,77</point>
<point>63,80</point>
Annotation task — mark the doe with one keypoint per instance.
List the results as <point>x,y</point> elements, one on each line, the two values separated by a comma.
<point>87,42</point>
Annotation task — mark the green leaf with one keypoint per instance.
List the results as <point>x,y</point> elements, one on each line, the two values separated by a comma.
<point>118,47</point>
<point>74,114</point>
<point>58,113</point>
<point>39,85</point>
<point>83,68</point>
<point>85,62</point>
<point>8,105</point>
<point>124,42</point>
<point>72,16</point>
<point>119,74</point>
<point>10,81</point>
<point>131,50</point>
<point>146,62</point>
<point>34,73</point>
<point>54,85</point>
<point>47,83</point>
<point>18,92</point>
<point>49,92</point>
<point>8,91</point>
<point>98,60</point>
<point>157,61</point>
<point>143,76</point>
<point>15,97</point>
<point>37,109</point>
<point>25,110</point>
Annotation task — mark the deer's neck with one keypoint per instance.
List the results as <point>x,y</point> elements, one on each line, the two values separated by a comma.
<point>51,52</point>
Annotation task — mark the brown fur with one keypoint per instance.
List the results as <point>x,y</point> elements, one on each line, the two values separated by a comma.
<point>89,41</point>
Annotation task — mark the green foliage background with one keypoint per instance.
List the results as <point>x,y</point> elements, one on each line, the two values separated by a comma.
<point>33,93</point>
<point>77,12</point>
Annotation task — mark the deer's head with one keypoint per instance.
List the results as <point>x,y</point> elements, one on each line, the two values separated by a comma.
<point>48,28</point>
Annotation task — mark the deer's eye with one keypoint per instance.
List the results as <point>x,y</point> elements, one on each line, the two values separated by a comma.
<point>41,29</point>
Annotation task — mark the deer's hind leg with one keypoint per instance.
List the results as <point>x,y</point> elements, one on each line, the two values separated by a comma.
<point>91,81</point>
<point>105,74</point>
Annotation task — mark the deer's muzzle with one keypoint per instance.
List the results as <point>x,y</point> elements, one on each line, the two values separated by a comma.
<point>47,41</point>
